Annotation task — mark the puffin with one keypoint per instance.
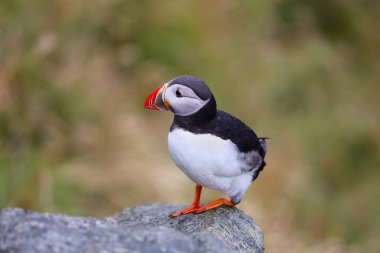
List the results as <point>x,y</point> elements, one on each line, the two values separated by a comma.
<point>213,148</point>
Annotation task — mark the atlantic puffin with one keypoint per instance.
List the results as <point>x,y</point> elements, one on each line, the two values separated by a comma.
<point>213,148</point>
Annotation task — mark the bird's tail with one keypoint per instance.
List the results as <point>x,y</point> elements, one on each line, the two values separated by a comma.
<point>262,151</point>
<point>263,144</point>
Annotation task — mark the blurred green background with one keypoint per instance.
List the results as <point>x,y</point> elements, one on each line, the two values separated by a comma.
<point>75,138</point>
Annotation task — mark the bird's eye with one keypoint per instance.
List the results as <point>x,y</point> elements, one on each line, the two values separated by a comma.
<point>178,93</point>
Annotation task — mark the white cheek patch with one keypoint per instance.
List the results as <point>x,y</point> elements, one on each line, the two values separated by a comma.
<point>186,105</point>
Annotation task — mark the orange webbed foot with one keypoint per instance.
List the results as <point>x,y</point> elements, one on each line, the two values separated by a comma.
<point>194,206</point>
<point>191,209</point>
<point>215,204</point>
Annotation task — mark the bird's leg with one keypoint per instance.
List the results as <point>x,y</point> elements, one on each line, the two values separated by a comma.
<point>194,206</point>
<point>215,204</point>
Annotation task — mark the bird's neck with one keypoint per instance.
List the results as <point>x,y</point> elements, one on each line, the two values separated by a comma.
<point>204,115</point>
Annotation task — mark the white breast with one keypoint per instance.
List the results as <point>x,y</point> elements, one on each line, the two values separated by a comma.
<point>209,161</point>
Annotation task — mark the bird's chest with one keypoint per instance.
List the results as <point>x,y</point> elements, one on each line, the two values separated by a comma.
<point>204,158</point>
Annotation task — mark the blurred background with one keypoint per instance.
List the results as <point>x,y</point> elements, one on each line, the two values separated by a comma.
<point>75,138</point>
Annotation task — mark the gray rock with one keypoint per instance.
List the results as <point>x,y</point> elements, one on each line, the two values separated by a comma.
<point>145,228</point>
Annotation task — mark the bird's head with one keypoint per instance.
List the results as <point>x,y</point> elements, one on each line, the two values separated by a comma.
<point>183,95</point>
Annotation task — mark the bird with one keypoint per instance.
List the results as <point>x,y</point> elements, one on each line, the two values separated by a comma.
<point>213,148</point>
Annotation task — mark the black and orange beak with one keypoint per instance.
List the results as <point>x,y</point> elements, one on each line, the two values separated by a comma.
<point>156,100</point>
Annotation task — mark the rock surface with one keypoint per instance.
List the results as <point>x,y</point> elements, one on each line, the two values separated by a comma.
<point>145,228</point>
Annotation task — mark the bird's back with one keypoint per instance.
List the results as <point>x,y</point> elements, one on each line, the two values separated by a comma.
<point>227,127</point>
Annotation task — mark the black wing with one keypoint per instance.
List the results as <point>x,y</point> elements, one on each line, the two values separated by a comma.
<point>226,127</point>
